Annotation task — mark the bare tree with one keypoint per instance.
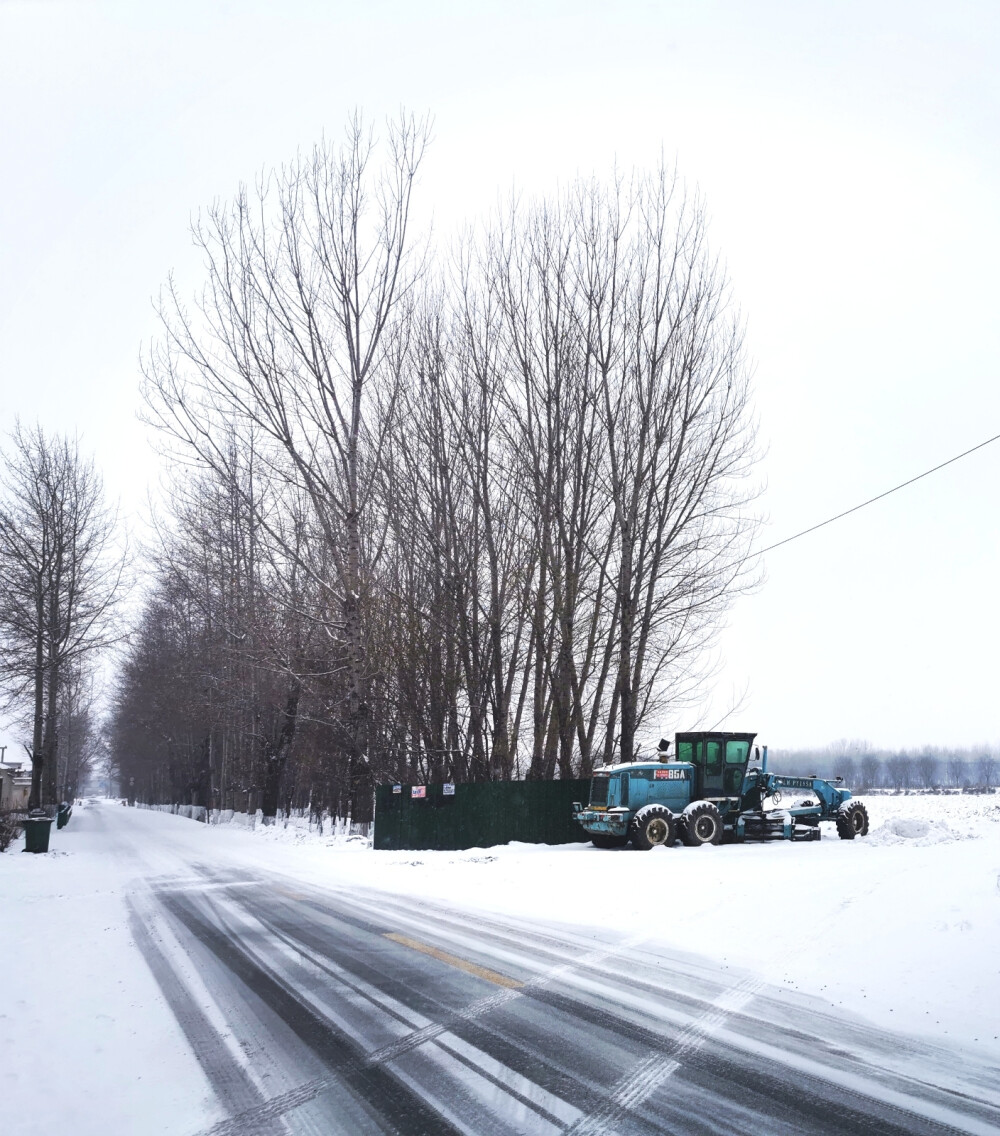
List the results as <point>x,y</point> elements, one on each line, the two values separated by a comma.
<point>844,755</point>
<point>899,770</point>
<point>927,768</point>
<point>298,334</point>
<point>869,768</point>
<point>673,405</point>
<point>60,575</point>
<point>846,768</point>
<point>958,771</point>
<point>78,729</point>
<point>605,324</point>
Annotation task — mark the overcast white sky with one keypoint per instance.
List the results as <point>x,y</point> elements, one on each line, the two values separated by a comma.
<point>848,154</point>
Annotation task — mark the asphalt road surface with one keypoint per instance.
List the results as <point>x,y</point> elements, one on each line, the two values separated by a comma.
<point>352,1011</point>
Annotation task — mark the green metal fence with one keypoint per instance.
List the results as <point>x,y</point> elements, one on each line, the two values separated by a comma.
<point>450,817</point>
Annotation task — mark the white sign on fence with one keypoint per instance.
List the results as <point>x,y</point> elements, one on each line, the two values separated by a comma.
<point>418,791</point>
<point>397,788</point>
<point>449,790</point>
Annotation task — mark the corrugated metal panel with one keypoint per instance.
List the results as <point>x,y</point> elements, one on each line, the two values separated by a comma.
<point>478,815</point>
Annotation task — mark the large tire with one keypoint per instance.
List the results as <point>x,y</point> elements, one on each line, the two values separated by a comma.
<point>606,840</point>
<point>653,826</point>
<point>852,820</point>
<point>701,824</point>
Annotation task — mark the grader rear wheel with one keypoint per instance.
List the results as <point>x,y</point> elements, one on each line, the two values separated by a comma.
<point>852,820</point>
<point>701,824</point>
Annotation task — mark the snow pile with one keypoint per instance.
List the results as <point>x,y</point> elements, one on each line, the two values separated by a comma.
<point>928,818</point>
<point>921,832</point>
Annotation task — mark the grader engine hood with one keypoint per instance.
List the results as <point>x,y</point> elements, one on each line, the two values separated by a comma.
<point>618,792</point>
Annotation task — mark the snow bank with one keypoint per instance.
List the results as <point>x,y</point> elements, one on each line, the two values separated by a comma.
<point>916,830</point>
<point>296,829</point>
<point>927,819</point>
<point>88,1047</point>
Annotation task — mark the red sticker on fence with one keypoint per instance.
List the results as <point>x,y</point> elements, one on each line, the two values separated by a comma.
<point>418,791</point>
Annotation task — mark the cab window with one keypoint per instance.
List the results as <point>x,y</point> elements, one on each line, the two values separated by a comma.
<point>687,751</point>
<point>736,752</point>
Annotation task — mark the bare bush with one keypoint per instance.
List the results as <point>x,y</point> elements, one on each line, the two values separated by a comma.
<point>10,828</point>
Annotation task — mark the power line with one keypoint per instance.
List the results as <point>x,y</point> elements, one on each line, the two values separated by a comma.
<point>872,500</point>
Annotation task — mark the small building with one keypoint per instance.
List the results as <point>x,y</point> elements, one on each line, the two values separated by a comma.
<point>15,786</point>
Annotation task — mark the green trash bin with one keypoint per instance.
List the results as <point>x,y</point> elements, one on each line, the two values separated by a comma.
<point>37,825</point>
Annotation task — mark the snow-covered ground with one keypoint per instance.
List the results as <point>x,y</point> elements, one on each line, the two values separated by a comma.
<point>901,928</point>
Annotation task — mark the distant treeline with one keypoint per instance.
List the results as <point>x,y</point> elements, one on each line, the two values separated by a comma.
<point>863,767</point>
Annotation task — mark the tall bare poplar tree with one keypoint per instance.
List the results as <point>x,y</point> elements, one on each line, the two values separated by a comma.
<point>619,362</point>
<point>60,575</point>
<point>297,334</point>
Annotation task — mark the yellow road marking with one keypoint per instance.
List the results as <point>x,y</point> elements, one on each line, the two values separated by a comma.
<point>290,894</point>
<point>458,963</point>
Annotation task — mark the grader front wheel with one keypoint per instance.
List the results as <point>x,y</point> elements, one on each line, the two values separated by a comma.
<point>652,827</point>
<point>600,840</point>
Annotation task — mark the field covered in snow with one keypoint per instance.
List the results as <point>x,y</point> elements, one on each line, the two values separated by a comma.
<point>901,928</point>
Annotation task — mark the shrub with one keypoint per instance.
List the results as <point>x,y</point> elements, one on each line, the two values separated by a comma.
<point>10,828</point>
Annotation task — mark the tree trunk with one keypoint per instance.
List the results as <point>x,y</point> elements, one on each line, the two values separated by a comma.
<point>37,760</point>
<point>276,756</point>
<point>51,736</point>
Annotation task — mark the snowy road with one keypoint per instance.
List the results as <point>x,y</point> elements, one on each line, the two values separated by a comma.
<point>320,1010</point>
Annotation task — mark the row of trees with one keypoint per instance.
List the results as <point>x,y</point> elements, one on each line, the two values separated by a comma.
<point>475,519</point>
<point>865,768</point>
<point>60,574</point>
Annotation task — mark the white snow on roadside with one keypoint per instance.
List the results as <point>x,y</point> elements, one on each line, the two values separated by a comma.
<point>85,1034</point>
<point>901,928</point>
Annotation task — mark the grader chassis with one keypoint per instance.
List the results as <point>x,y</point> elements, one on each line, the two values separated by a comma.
<point>715,788</point>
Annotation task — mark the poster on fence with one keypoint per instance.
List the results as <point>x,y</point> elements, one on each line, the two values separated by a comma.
<point>449,790</point>
<point>418,791</point>
<point>397,789</point>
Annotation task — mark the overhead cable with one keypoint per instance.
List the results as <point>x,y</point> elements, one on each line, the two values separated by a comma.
<point>872,500</point>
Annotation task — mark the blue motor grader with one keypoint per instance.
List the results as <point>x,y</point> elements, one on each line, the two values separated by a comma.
<point>714,788</point>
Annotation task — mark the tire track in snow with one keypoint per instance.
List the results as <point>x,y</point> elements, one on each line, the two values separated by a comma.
<point>488,1074</point>
<point>796,1089</point>
<point>228,1077</point>
<point>561,1111</point>
<point>400,1107</point>
<point>844,1109</point>
<point>275,1108</point>
<point>638,1086</point>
